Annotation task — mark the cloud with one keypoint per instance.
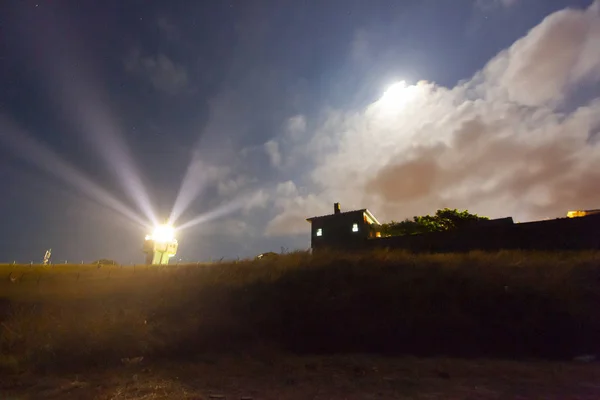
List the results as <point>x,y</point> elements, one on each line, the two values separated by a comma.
<point>287,189</point>
<point>272,149</point>
<point>491,4</point>
<point>499,144</point>
<point>258,199</point>
<point>167,28</point>
<point>296,127</point>
<point>557,55</point>
<point>230,187</point>
<point>293,219</point>
<point>164,74</point>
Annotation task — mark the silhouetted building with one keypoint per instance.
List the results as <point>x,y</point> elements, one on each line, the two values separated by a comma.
<point>359,230</point>
<point>343,230</point>
<point>582,213</point>
<point>488,223</point>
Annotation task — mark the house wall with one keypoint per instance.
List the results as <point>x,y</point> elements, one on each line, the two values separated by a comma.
<point>337,231</point>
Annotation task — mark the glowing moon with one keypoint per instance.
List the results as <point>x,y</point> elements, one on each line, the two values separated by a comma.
<point>397,95</point>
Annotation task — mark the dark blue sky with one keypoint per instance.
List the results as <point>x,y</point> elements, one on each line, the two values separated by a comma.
<point>125,90</point>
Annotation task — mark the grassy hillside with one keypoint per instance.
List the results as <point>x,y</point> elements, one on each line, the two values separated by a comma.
<point>507,304</point>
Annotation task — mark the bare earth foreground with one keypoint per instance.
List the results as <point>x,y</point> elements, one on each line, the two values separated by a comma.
<point>331,377</point>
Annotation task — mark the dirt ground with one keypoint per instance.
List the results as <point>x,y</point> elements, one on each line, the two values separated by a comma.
<point>333,377</point>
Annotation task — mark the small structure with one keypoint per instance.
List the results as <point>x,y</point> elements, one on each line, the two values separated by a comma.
<point>47,256</point>
<point>161,245</point>
<point>343,230</point>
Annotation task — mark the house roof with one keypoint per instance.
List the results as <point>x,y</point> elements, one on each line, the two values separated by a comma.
<point>364,210</point>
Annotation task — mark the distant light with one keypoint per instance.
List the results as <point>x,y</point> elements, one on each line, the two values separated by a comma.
<point>581,213</point>
<point>162,234</point>
<point>355,228</point>
<point>319,232</point>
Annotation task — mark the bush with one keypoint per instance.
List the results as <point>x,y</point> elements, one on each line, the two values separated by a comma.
<point>443,220</point>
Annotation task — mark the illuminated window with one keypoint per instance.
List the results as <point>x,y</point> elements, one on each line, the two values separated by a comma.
<point>355,228</point>
<point>319,232</point>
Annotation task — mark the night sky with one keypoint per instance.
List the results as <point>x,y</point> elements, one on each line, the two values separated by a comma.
<point>244,118</point>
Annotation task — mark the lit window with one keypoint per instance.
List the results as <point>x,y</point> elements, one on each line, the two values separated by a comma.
<point>355,228</point>
<point>319,232</point>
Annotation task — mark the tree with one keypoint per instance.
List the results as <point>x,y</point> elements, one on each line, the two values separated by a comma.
<point>443,220</point>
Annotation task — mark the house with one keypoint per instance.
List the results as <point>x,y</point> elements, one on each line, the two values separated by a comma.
<point>343,230</point>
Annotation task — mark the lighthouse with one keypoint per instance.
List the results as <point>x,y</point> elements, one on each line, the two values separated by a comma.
<point>161,245</point>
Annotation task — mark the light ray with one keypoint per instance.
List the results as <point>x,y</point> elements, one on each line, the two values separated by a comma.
<point>101,131</point>
<point>34,152</point>
<point>193,183</point>
<point>220,211</point>
<point>85,103</point>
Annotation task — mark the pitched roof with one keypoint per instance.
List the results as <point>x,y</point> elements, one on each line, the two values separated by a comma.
<point>364,210</point>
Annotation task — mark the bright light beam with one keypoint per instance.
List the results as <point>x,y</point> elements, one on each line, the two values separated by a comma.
<point>221,211</point>
<point>37,154</point>
<point>102,133</point>
<point>193,183</point>
<point>85,104</point>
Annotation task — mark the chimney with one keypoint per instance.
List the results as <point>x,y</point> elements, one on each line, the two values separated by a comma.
<point>336,208</point>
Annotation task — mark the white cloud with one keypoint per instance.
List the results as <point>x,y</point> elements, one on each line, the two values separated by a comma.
<point>231,186</point>
<point>496,144</point>
<point>293,219</point>
<point>257,199</point>
<point>296,127</point>
<point>286,189</point>
<point>164,74</point>
<point>272,149</point>
<point>555,56</point>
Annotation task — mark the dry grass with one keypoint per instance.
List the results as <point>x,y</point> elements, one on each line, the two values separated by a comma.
<point>506,304</point>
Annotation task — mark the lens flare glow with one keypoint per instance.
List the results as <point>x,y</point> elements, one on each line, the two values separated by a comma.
<point>162,234</point>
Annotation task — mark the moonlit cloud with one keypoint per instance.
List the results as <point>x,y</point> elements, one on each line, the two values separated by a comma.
<point>272,149</point>
<point>163,73</point>
<point>557,56</point>
<point>296,126</point>
<point>498,144</point>
<point>490,4</point>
